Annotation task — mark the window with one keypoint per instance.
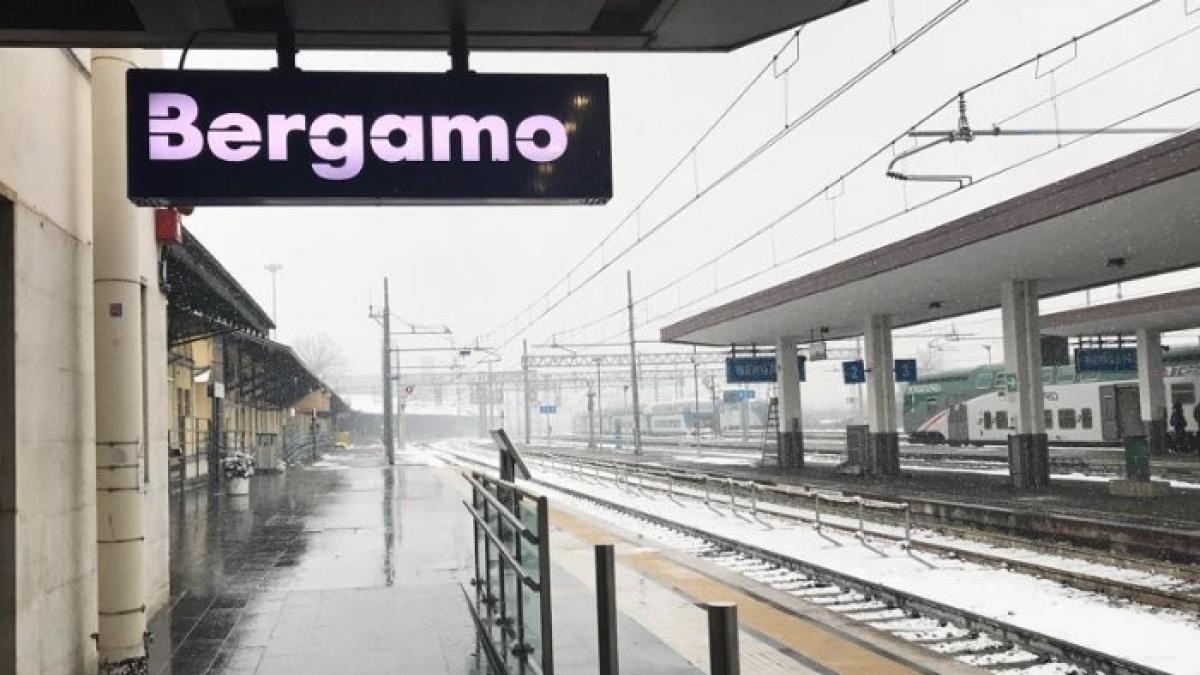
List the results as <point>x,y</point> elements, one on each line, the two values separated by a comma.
<point>1183,393</point>
<point>1001,419</point>
<point>931,404</point>
<point>984,381</point>
<point>908,403</point>
<point>1049,417</point>
<point>987,419</point>
<point>1066,418</point>
<point>1085,418</point>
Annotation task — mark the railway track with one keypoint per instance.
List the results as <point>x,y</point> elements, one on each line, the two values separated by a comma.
<point>830,446</point>
<point>1159,548</point>
<point>975,639</point>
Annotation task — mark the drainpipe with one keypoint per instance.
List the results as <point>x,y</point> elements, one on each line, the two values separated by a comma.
<point>117,227</point>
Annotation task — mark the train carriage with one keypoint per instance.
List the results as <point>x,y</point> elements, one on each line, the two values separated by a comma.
<point>971,406</point>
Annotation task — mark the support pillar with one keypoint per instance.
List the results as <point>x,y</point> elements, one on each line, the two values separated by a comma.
<point>1028,452</point>
<point>1152,390</point>
<point>791,435</point>
<point>883,443</point>
<point>120,444</point>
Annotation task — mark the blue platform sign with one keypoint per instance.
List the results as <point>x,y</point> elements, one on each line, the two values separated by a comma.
<point>755,369</point>
<point>1105,360</point>
<point>749,369</point>
<point>547,409</point>
<point>737,395</point>
<point>906,370</point>
<point>854,372</point>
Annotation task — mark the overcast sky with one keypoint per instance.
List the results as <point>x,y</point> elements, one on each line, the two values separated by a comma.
<point>474,268</point>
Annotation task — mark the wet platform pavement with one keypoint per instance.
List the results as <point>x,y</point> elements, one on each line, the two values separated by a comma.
<point>344,566</point>
<point>347,566</point>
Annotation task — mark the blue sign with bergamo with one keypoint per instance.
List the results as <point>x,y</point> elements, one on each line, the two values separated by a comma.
<point>1116,359</point>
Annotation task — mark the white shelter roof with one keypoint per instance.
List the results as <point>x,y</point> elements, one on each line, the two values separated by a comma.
<point>1134,216</point>
<point>1165,312</point>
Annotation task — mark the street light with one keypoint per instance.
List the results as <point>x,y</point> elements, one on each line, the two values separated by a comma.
<point>273,269</point>
<point>989,353</point>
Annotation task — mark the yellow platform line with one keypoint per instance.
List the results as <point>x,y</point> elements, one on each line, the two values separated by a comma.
<point>815,642</point>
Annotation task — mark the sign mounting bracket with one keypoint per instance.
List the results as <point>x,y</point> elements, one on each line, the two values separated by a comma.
<point>285,49</point>
<point>459,53</point>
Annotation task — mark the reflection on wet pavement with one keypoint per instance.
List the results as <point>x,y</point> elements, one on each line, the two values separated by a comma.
<point>342,567</point>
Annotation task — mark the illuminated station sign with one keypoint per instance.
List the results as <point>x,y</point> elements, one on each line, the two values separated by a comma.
<point>296,137</point>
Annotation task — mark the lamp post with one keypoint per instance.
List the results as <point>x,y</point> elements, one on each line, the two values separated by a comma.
<point>273,269</point>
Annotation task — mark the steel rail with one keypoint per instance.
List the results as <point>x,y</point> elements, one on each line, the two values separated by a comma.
<point>1033,641</point>
<point>1174,568</point>
<point>1112,587</point>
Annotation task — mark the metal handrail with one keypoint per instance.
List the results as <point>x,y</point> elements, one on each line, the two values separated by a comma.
<point>512,518</point>
<point>512,562</point>
<point>524,492</point>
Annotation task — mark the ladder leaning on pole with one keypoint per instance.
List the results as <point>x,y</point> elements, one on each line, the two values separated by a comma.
<point>770,437</point>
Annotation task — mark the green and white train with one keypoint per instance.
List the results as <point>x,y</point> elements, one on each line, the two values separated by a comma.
<point>970,406</point>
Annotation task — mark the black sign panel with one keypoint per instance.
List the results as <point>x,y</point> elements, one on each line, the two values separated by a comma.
<point>245,137</point>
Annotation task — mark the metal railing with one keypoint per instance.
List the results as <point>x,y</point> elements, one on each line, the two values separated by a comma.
<point>189,449</point>
<point>511,576</point>
<point>298,447</point>
<point>633,477</point>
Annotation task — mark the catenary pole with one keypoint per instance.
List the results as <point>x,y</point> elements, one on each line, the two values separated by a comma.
<point>389,446</point>
<point>633,370</point>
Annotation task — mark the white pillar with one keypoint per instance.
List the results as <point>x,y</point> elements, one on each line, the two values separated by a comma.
<point>1151,389</point>
<point>1023,355</point>
<point>881,379</point>
<point>788,366</point>
<point>118,227</point>
<point>882,442</point>
<point>1029,457</point>
<point>791,435</point>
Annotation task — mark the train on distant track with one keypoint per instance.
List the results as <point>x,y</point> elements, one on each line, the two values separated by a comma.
<point>677,418</point>
<point>970,407</point>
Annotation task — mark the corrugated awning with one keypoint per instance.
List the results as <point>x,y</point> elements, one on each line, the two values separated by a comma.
<point>203,297</point>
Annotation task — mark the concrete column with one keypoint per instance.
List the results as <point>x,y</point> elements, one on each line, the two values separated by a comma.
<point>118,227</point>
<point>791,433</point>
<point>1152,390</point>
<point>1028,454</point>
<point>883,453</point>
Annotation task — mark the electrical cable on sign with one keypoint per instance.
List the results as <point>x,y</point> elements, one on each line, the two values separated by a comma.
<point>1034,60</point>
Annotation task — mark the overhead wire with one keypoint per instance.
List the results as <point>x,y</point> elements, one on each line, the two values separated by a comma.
<point>746,160</point>
<point>889,218</point>
<point>770,225</point>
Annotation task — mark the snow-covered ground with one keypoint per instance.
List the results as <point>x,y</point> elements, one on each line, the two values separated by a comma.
<point>1164,639</point>
<point>744,459</point>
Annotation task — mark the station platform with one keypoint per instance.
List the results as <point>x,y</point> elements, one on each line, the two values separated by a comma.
<point>351,566</point>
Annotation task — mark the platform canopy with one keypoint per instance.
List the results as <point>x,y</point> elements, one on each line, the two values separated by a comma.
<point>203,298</point>
<point>1164,312</point>
<point>1135,216</point>
<point>567,25</point>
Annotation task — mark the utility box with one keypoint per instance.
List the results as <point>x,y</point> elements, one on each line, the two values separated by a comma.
<point>1137,458</point>
<point>857,438</point>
